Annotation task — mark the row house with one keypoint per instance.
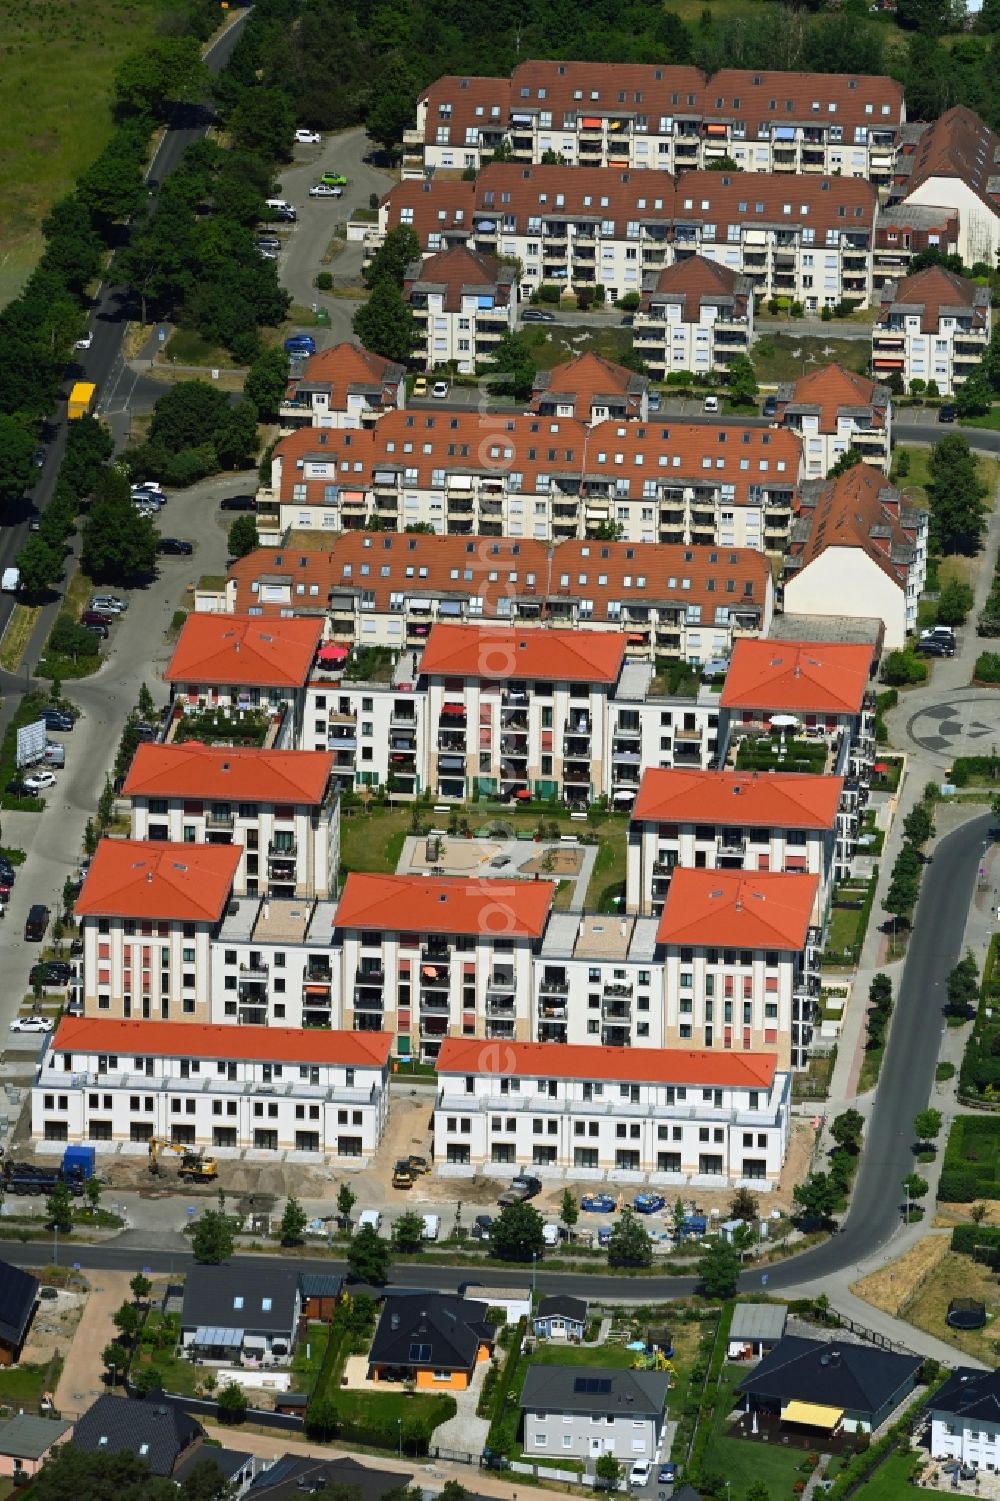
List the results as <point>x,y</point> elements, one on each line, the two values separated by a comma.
<point>731,821</point>
<point>148,911</point>
<point>951,168</point>
<point>463,305</point>
<point>857,549</point>
<point>835,410</point>
<point>676,1116</point>
<point>346,386</point>
<point>817,697</point>
<point>592,389</point>
<point>233,670</point>
<point>808,239</point>
<point>695,315</point>
<point>644,115</point>
<point>428,958</point>
<point>724,483</point>
<point>932,326</point>
<point>272,1090</point>
<point>279,807</point>
<point>741,958</point>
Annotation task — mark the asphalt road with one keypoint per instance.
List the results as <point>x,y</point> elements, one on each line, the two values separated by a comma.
<point>103,362</point>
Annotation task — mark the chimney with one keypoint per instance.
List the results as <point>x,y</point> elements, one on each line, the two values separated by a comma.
<point>149,878</point>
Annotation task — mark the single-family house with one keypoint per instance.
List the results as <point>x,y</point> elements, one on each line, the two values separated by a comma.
<point>18,1301</point>
<point>241,1314</point>
<point>561,1317</point>
<point>813,1383</point>
<point>756,1328</point>
<point>579,1412</point>
<point>157,1432</point>
<point>26,1442</point>
<point>965,1418</point>
<point>433,1339</point>
<point>296,1475</point>
<point>236,1468</point>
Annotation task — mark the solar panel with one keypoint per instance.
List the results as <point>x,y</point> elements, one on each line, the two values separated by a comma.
<point>592,1385</point>
<point>420,1354</point>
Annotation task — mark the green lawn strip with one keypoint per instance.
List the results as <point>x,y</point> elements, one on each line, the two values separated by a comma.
<point>783,356</point>
<point>972,1150</point>
<point>23,1383</point>
<point>743,1461</point>
<point>590,1355</point>
<point>891,1481</point>
<point>307,1362</point>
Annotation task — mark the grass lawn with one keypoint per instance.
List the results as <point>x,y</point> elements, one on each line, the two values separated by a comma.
<point>556,345</point>
<point>373,841</point>
<point>57,67</point>
<point>784,356</point>
<point>23,1383</point>
<point>891,1481</point>
<point>181,1376</point>
<point>608,876</point>
<point>188,347</point>
<point>308,1358</point>
<point>558,1353</point>
<point>742,1461</point>
<point>974,1145</point>
<point>845,927</point>
<point>385,1407</point>
<point>17,635</point>
<point>78,593</point>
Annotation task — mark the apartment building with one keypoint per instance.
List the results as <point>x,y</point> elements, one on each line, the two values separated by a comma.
<point>903,230</point>
<point>592,389</point>
<point>695,315</point>
<point>722,484</point>
<point>731,821</point>
<point>834,410</point>
<point>227,666</point>
<point>279,808</point>
<point>431,957</point>
<point>807,238</point>
<point>463,305</point>
<point>932,326</point>
<point>274,963</point>
<point>822,697</point>
<point>148,911</point>
<point>647,115</point>
<point>261,1089</point>
<point>680,1116</point>
<point>741,954</point>
<point>857,549</point>
<point>951,168</point>
<point>346,386</point>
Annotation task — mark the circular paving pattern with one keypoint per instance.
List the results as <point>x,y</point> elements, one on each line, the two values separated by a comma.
<point>968,725</point>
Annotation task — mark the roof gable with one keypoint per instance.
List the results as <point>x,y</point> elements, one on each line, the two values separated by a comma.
<point>235,774</point>
<point>735,798</point>
<point>738,909</point>
<point>418,904</point>
<point>156,880</point>
<point>797,676</point>
<point>855,1377</point>
<point>240,649</point>
<point>494,654</point>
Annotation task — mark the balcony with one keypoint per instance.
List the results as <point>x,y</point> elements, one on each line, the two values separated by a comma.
<point>319,972</point>
<point>500,1029</point>
<point>368,1000</point>
<point>618,989</point>
<point>500,1005</point>
<point>219,818</point>
<point>554,985</point>
<point>616,1037</point>
<point>552,1011</point>
<point>552,1031</point>
<point>372,976</point>
<point>434,1004</point>
<point>502,979</point>
<point>283,848</point>
<point>731,848</point>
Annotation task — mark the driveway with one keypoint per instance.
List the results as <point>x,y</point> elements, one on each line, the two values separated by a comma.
<point>81,1381</point>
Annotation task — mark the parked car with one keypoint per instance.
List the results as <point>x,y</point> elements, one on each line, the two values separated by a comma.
<point>86,341</point>
<point>597,1204</point>
<point>36,921</point>
<point>935,647</point>
<point>238,503</point>
<point>49,974</point>
<point>639,1474</point>
<point>31,1024</point>
<point>54,755</point>
<point>325,190</point>
<point>711,404</point>
<point>102,632</point>
<point>174,547</point>
<point>938,633</point>
<point>109,603</point>
<point>54,719</point>
<point>145,732</point>
<point>439,390</point>
<point>334,179</point>
<point>38,455</point>
<point>285,214</point>
<point>537,315</point>
<point>420,386</point>
<point>96,617</point>
<point>16,788</point>
<point>770,407</point>
<point>947,413</point>
<point>481,1226</point>
<point>655,401</point>
<point>667,1473</point>
<point>308,137</point>
<point>300,344</point>
<point>38,781</point>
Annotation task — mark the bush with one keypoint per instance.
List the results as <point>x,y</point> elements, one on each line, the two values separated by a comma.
<point>629,301</point>
<point>902,462</point>
<point>903,667</point>
<point>987,669</point>
<point>324,281</point>
<point>958,1185</point>
<point>68,639</point>
<point>547,292</point>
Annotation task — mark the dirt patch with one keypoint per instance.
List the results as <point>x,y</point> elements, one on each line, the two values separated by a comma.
<point>556,862</point>
<point>53,1327</point>
<point>947,1276</point>
<point>892,1287</point>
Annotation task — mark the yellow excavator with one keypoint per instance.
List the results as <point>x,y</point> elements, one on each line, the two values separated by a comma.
<point>195,1167</point>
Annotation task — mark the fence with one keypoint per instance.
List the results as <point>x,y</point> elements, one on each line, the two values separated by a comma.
<point>205,1407</point>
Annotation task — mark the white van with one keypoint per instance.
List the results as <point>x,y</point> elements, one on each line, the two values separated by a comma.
<point>280,203</point>
<point>371,1217</point>
<point>711,403</point>
<point>431,1227</point>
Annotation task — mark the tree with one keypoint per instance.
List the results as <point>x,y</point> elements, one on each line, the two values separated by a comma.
<point>141,1286</point>
<point>915,1186</point>
<point>516,1233</point>
<point>927,1125</point>
<point>243,536</point>
<point>742,381</point>
<point>408,1231</point>
<point>147,82</point>
<point>759,1491</point>
<point>93,1191</point>
<point>16,445</point>
<point>267,381</point>
<point>264,123</point>
<point>212,1241</point>
<point>236,438</point>
<point>569,1211</point>
<point>346,1200</point>
<point>848,460</point>
<point>127,1321</point>
<point>817,1197</point>
<point>74,249</point>
<point>718,1270</point>
<point>390,103</point>
<point>188,414</point>
<point>118,544</point>
<point>385,323</point>
<point>722,164</point>
<point>59,1207</point>
<point>114,1358</point>
<point>918,825</point>
<point>629,1244</point>
<point>847,1130</point>
<point>954,603</point>
<point>400,248</point>
<point>957,496</point>
<point>962,987</point>
<point>974,397</point>
<point>608,1471</point>
<point>293,1222</point>
<point>70,1474</point>
<point>232,1403</point>
<point>514,358</point>
<point>744,1205</point>
<point>40,564</point>
<point>368,1256</point>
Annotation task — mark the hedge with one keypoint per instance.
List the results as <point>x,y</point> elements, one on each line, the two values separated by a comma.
<point>957,1185</point>
<point>500,1439</point>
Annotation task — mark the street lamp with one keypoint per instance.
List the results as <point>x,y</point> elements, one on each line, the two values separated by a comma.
<point>399,1430</point>
<point>534,1258</point>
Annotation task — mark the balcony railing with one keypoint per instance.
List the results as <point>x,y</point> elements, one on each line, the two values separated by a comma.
<point>553,985</point>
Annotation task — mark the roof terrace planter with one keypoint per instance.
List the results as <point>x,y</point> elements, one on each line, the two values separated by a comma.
<point>244,727</point>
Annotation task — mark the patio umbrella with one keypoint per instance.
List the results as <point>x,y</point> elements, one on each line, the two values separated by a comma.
<point>881,767</point>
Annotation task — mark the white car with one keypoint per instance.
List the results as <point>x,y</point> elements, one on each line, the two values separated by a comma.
<point>31,1024</point>
<point>639,1474</point>
<point>108,604</point>
<point>440,389</point>
<point>38,780</point>
<point>325,190</point>
<point>308,137</point>
<point>86,341</point>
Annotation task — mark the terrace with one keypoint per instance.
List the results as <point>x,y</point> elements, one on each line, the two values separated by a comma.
<point>258,728</point>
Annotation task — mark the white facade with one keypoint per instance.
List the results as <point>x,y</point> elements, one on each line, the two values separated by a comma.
<point>159,970</point>
<point>274,964</point>
<point>846,581</point>
<point>978,224</point>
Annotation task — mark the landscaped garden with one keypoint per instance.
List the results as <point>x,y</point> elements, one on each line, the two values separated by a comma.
<point>246,727</point>
<point>971,1168</point>
<point>979,1079</point>
<point>851,909</point>
<point>780,753</point>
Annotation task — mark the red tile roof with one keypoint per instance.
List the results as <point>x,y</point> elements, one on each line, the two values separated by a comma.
<point>145,1039</point>
<point>695,281</point>
<point>738,909</point>
<point>587,379</point>
<point>557,1060</point>
<point>934,291</point>
<point>732,798</point>
<point>957,144</point>
<point>422,904</point>
<point>349,369</point>
<point>459,273</point>
<point>562,656</point>
<point>150,879</point>
<point>858,509</point>
<point>239,649</point>
<point>870,100</point>
<point>797,676</point>
<point>230,774</point>
<point>831,390</point>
